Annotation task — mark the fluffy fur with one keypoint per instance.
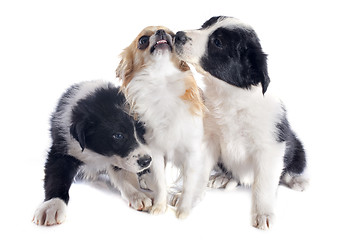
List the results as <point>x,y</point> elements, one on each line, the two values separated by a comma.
<point>91,132</point>
<point>164,95</point>
<point>247,132</point>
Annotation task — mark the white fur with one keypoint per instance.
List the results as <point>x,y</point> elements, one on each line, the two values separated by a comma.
<point>240,129</point>
<point>173,131</point>
<point>239,126</point>
<point>129,187</point>
<point>50,212</point>
<point>101,162</point>
<point>194,49</point>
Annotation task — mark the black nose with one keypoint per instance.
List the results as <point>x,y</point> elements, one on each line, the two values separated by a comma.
<point>144,161</point>
<point>160,32</point>
<point>180,38</point>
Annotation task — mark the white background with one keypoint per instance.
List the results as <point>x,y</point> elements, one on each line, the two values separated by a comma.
<point>45,46</point>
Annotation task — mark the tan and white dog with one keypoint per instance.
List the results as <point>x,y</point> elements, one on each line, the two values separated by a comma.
<point>165,97</point>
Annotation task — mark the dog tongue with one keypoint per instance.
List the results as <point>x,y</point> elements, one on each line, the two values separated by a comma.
<point>161,42</point>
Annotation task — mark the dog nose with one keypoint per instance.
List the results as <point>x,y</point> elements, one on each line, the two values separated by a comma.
<point>160,32</point>
<point>180,37</point>
<point>144,161</point>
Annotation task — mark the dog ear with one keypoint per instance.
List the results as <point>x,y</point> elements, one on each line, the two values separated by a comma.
<point>258,67</point>
<point>124,70</point>
<point>77,130</point>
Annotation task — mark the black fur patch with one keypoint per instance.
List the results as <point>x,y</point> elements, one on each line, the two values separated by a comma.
<point>97,121</point>
<point>100,123</point>
<point>212,21</point>
<point>236,57</point>
<point>60,170</point>
<point>294,158</point>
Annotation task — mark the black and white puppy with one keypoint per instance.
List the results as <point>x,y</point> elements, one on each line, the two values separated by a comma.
<point>91,132</point>
<point>246,129</point>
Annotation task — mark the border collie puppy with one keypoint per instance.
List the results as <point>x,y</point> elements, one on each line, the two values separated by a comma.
<point>91,132</point>
<point>164,95</point>
<point>246,128</point>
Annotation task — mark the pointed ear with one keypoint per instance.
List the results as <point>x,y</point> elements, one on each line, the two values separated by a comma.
<point>77,130</point>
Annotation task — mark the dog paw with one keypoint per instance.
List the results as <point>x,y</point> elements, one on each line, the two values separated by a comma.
<point>173,199</point>
<point>222,181</point>
<point>262,221</point>
<point>140,202</point>
<point>51,212</point>
<point>182,213</point>
<point>296,182</point>
<point>158,208</point>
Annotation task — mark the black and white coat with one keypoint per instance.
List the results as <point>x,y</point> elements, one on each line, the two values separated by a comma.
<point>247,132</point>
<point>91,132</point>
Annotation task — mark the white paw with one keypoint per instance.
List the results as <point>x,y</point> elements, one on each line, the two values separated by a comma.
<point>222,181</point>
<point>262,221</point>
<point>158,208</point>
<point>296,182</point>
<point>143,184</point>
<point>182,213</point>
<point>174,199</point>
<point>50,212</point>
<point>139,201</point>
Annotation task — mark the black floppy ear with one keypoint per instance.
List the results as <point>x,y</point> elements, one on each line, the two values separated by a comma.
<point>258,62</point>
<point>77,130</point>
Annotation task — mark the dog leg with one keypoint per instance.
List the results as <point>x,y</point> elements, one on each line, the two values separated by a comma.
<point>269,165</point>
<point>196,173</point>
<point>59,174</point>
<point>128,185</point>
<point>156,181</point>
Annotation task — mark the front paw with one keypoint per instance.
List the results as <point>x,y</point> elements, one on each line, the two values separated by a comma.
<point>262,221</point>
<point>222,181</point>
<point>139,201</point>
<point>51,212</point>
<point>158,208</point>
<point>182,213</point>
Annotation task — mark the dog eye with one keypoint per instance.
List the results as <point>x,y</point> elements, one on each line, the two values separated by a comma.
<point>118,136</point>
<point>143,42</point>
<point>218,43</point>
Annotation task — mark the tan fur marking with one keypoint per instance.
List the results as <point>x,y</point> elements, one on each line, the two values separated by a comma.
<point>133,60</point>
<point>192,95</point>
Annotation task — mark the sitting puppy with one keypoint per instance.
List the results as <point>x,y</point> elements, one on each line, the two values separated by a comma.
<point>92,132</point>
<point>164,95</point>
<point>248,133</point>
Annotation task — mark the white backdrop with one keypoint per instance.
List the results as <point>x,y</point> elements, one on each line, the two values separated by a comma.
<point>45,46</point>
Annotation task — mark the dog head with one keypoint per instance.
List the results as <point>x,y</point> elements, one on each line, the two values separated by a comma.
<point>107,134</point>
<point>227,49</point>
<point>151,45</point>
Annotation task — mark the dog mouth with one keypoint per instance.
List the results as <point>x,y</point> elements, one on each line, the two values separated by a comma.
<point>162,44</point>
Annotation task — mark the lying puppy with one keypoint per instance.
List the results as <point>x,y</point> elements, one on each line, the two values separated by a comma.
<point>92,132</point>
<point>163,93</point>
<point>247,131</point>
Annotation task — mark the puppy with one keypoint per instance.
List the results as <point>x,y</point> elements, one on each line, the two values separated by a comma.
<point>247,131</point>
<point>92,132</point>
<point>164,95</point>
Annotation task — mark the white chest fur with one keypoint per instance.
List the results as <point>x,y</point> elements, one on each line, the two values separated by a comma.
<point>244,122</point>
<point>155,92</point>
